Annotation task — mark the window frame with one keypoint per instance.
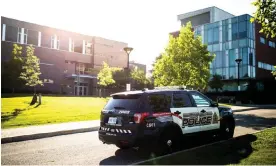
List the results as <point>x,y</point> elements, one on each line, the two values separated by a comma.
<point>203,96</point>
<point>190,104</point>
<point>166,105</point>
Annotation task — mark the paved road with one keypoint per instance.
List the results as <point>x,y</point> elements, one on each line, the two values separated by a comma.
<point>85,149</point>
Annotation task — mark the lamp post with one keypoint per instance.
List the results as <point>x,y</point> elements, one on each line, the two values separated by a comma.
<point>238,61</point>
<point>128,51</point>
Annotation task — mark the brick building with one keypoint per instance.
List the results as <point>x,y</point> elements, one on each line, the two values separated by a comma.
<point>69,61</point>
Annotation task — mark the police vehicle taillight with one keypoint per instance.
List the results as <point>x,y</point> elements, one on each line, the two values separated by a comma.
<point>139,117</point>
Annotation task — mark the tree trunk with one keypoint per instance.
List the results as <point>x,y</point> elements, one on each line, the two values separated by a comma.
<point>12,90</point>
<point>34,89</point>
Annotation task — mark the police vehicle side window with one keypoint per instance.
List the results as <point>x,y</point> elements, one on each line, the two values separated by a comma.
<point>181,100</point>
<point>200,100</point>
<point>159,102</point>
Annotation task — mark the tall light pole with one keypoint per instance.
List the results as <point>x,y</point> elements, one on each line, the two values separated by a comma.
<point>238,61</point>
<point>128,51</point>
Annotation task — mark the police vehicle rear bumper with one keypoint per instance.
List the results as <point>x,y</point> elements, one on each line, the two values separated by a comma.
<point>132,140</point>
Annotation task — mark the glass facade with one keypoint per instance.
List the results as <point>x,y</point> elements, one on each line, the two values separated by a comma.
<point>230,39</point>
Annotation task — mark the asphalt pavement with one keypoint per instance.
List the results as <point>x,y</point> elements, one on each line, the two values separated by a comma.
<point>86,149</point>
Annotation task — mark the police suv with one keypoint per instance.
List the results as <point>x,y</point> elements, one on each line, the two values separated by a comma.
<point>161,117</point>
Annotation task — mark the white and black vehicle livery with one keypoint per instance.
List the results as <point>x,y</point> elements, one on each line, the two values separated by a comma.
<point>162,117</point>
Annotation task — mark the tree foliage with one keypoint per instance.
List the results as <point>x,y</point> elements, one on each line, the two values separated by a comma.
<point>31,69</point>
<point>274,72</point>
<point>186,61</point>
<point>266,16</point>
<point>11,69</point>
<point>139,78</point>
<point>216,82</point>
<point>105,76</point>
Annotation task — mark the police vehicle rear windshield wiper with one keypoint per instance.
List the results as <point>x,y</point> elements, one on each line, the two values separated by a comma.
<point>119,107</point>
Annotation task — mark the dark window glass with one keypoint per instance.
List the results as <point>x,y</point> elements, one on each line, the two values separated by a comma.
<point>218,59</point>
<point>242,29</point>
<point>181,100</point>
<point>242,18</point>
<point>205,36</point>
<point>235,31</point>
<point>232,57</point>
<point>244,52</point>
<point>234,20</point>
<point>78,46</point>
<point>200,99</point>
<point>225,33</point>
<point>232,72</point>
<point>32,37</point>
<point>11,33</point>
<point>235,44</point>
<point>244,71</point>
<point>45,40</point>
<point>158,103</point>
<point>210,36</point>
<point>216,35</point>
<point>128,102</point>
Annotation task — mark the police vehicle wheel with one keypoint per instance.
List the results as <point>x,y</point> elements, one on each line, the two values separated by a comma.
<point>169,142</point>
<point>227,129</point>
<point>123,146</point>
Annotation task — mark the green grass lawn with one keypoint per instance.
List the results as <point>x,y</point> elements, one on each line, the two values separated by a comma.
<point>264,149</point>
<point>16,111</point>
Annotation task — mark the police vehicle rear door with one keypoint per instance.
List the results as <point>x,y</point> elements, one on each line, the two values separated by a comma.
<point>184,114</point>
<point>208,116</point>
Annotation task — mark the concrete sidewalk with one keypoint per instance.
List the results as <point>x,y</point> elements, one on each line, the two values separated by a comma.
<point>43,131</point>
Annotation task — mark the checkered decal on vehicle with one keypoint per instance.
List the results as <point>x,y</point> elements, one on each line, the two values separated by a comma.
<point>115,130</point>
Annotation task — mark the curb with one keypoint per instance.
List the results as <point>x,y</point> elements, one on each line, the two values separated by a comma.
<point>160,157</point>
<point>45,135</point>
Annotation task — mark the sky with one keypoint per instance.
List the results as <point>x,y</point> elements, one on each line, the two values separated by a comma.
<point>143,24</point>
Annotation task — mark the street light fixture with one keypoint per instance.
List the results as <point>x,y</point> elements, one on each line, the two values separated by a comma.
<point>238,61</point>
<point>128,51</point>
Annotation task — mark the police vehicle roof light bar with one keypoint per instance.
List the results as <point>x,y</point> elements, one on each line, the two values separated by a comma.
<point>170,87</point>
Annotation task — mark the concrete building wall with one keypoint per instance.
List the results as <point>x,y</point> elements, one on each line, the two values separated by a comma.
<point>111,52</point>
<point>198,19</point>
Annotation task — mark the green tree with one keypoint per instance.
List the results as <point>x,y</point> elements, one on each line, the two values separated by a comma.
<point>274,72</point>
<point>266,16</point>
<point>31,69</point>
<point>11,69</point>
<point>186,61</point>
<point>139,77</point>
<point>105,76</point>
<point>216,82</point>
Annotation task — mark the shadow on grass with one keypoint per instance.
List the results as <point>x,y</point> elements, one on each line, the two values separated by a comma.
<point>15,113</point>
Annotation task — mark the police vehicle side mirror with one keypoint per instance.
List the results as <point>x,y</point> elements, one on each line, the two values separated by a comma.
<point>214,104</point>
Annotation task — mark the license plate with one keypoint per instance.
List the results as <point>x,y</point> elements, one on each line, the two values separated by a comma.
<point>112,120</point>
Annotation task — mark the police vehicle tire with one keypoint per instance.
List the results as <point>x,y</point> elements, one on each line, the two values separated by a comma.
<point>123,146</point>
<point>227,127</point>
<point>169,141</point>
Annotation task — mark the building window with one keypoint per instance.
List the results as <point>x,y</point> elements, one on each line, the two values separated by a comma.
<point>58,42</point>
<point>32,37</point>
<point>71,42</point>
<point>235,31</point>
<point>20,35</point>
<point>52,41</point>
<point>55,42</point>
<point>11,33</point>
<point>271,44</point>
<point>262,40</point>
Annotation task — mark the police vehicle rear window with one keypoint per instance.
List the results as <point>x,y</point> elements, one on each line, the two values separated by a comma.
<point>127,102</point>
